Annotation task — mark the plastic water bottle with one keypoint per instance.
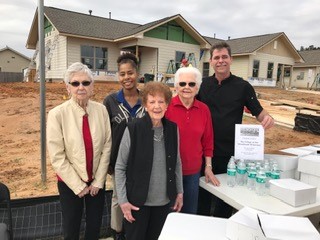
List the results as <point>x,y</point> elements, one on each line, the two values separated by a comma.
<point>261,182</point>
<point>275,172</point>
<point>241,173</point>
<point>267,169</point>
<point>231,171</point>
<point>251,180</point>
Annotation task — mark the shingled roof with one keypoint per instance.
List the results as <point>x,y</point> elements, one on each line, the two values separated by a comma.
<point>247,45</point>
<point>79,24</point>
<point>311,58</point>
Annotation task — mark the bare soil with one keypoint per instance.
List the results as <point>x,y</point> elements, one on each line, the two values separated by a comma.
<point>20,157</point>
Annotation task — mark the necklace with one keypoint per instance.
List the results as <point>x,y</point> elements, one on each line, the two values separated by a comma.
<point>159,137</point>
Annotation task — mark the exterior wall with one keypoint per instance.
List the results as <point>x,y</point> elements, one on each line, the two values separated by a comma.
<point>56,55</point>
<point>74,55</point>
<point>148,61</point>
<point>309,76</point>
<point>167,50</point>
<point>278,47</point>
<point>12,62</point>
<point>240,66</point>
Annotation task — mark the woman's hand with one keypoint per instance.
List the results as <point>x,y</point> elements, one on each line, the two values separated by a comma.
<point>84,192</point>
<point>178,203</point>
<point>210,177</point>
<point>93,190</point>
<point>126,210</point>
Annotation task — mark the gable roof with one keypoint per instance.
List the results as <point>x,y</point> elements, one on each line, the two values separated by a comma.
<point>249,45</point>
<point>311,58</point>
<point>76,24</point>
<point>16,52</point>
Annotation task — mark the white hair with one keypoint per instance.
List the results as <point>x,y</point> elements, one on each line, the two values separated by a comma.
<point>182,70</point>
<point>76,68</point>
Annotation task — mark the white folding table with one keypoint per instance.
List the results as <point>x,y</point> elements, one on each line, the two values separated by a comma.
<point>240,196</point>
<point>181,226</point>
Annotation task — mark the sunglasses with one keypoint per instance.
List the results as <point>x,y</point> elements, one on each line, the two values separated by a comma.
<point>190,84</point>
<point>77,84</point>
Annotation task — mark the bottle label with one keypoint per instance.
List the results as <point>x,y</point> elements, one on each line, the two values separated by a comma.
<point>241,171</point>
<point>268,174</point>
<point>275,175</point>
<point>252,174</point>
<point>231,172</point>
<point>261,180</point>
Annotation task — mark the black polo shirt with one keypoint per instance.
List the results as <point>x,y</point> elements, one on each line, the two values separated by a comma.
<point>226,103</point>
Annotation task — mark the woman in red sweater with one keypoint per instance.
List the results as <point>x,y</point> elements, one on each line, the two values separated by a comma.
<point>195,133</point>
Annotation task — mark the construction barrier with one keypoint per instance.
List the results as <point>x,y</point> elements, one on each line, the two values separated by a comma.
<point>41,218</point>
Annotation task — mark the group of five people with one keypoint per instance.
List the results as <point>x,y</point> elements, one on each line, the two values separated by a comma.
<point>154,145</point>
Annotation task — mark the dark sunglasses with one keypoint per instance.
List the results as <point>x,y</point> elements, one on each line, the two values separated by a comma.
<point>77,84</point>
<point>190,84</point>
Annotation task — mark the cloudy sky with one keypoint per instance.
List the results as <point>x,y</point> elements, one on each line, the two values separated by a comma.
<point>299,19</point>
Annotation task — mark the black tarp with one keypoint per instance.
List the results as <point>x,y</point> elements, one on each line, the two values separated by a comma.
<point>41,218</point>
<point>307,123</point>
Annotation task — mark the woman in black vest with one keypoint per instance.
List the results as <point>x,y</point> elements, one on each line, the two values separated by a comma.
<point>148,168</point>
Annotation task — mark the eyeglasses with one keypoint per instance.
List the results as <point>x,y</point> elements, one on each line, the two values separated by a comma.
<point>77,84</point>
<point>190,84</point>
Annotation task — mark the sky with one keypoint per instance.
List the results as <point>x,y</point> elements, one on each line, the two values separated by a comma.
<point>298,19</point>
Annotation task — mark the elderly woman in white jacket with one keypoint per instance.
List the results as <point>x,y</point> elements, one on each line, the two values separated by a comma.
<point>79,144</point>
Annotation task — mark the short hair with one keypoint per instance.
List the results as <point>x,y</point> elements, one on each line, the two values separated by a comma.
<point>154,88</point>
<point>128,57</point>
<point>219,46</point>
<point>193,70</point>
<point>77,67</point>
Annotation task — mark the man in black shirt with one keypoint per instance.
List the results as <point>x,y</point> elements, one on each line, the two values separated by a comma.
<point>226,96</point>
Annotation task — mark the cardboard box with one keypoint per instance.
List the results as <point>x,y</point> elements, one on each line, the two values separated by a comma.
<point>250,224</point>
<point>310,164</point>
<point>310,179</point>
<point>293,192</point>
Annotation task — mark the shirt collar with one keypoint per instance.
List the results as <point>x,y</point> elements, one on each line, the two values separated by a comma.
<point>177,102</point>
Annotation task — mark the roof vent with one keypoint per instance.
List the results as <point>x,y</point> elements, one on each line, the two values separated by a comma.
<point>229,37</point>
<point>109,15</point>
<point>90,11</point>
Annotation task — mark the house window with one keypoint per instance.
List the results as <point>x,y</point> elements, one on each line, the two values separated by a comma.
<point>206,69</point>
<point>96,58</point>
<point>255,70</point>
<point>300,76</point>
<point>270,70</point>
<point>287,72</point>
<point>179,57</point>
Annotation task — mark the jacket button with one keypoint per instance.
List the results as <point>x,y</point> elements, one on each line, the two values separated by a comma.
<point>169,156</point>
<point>170,180</point>
<point>169,168</point>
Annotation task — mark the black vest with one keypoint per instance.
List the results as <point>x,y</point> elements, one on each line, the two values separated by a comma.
<point>141,158</point>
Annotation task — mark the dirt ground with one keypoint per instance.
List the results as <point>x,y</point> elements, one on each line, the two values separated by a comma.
<point>20,158</point>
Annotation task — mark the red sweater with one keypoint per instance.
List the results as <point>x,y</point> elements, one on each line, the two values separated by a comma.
<point>195,133</point>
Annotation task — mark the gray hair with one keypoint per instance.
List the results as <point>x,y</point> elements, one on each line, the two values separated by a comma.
<point>77,67</point>
<point>182,70</point>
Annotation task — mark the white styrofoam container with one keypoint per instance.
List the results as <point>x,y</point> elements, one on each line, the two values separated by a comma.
<point>250,224</point>
<point>310,179</point>
<point>285,162</point>
<point>309,164</point>
<point>293,192</point>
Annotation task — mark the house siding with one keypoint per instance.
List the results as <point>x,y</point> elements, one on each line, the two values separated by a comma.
<point>74,54</point>
<point>240,66</point>
<point>309,76</point>
<point>167,50</point>
<point>12,62</point>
